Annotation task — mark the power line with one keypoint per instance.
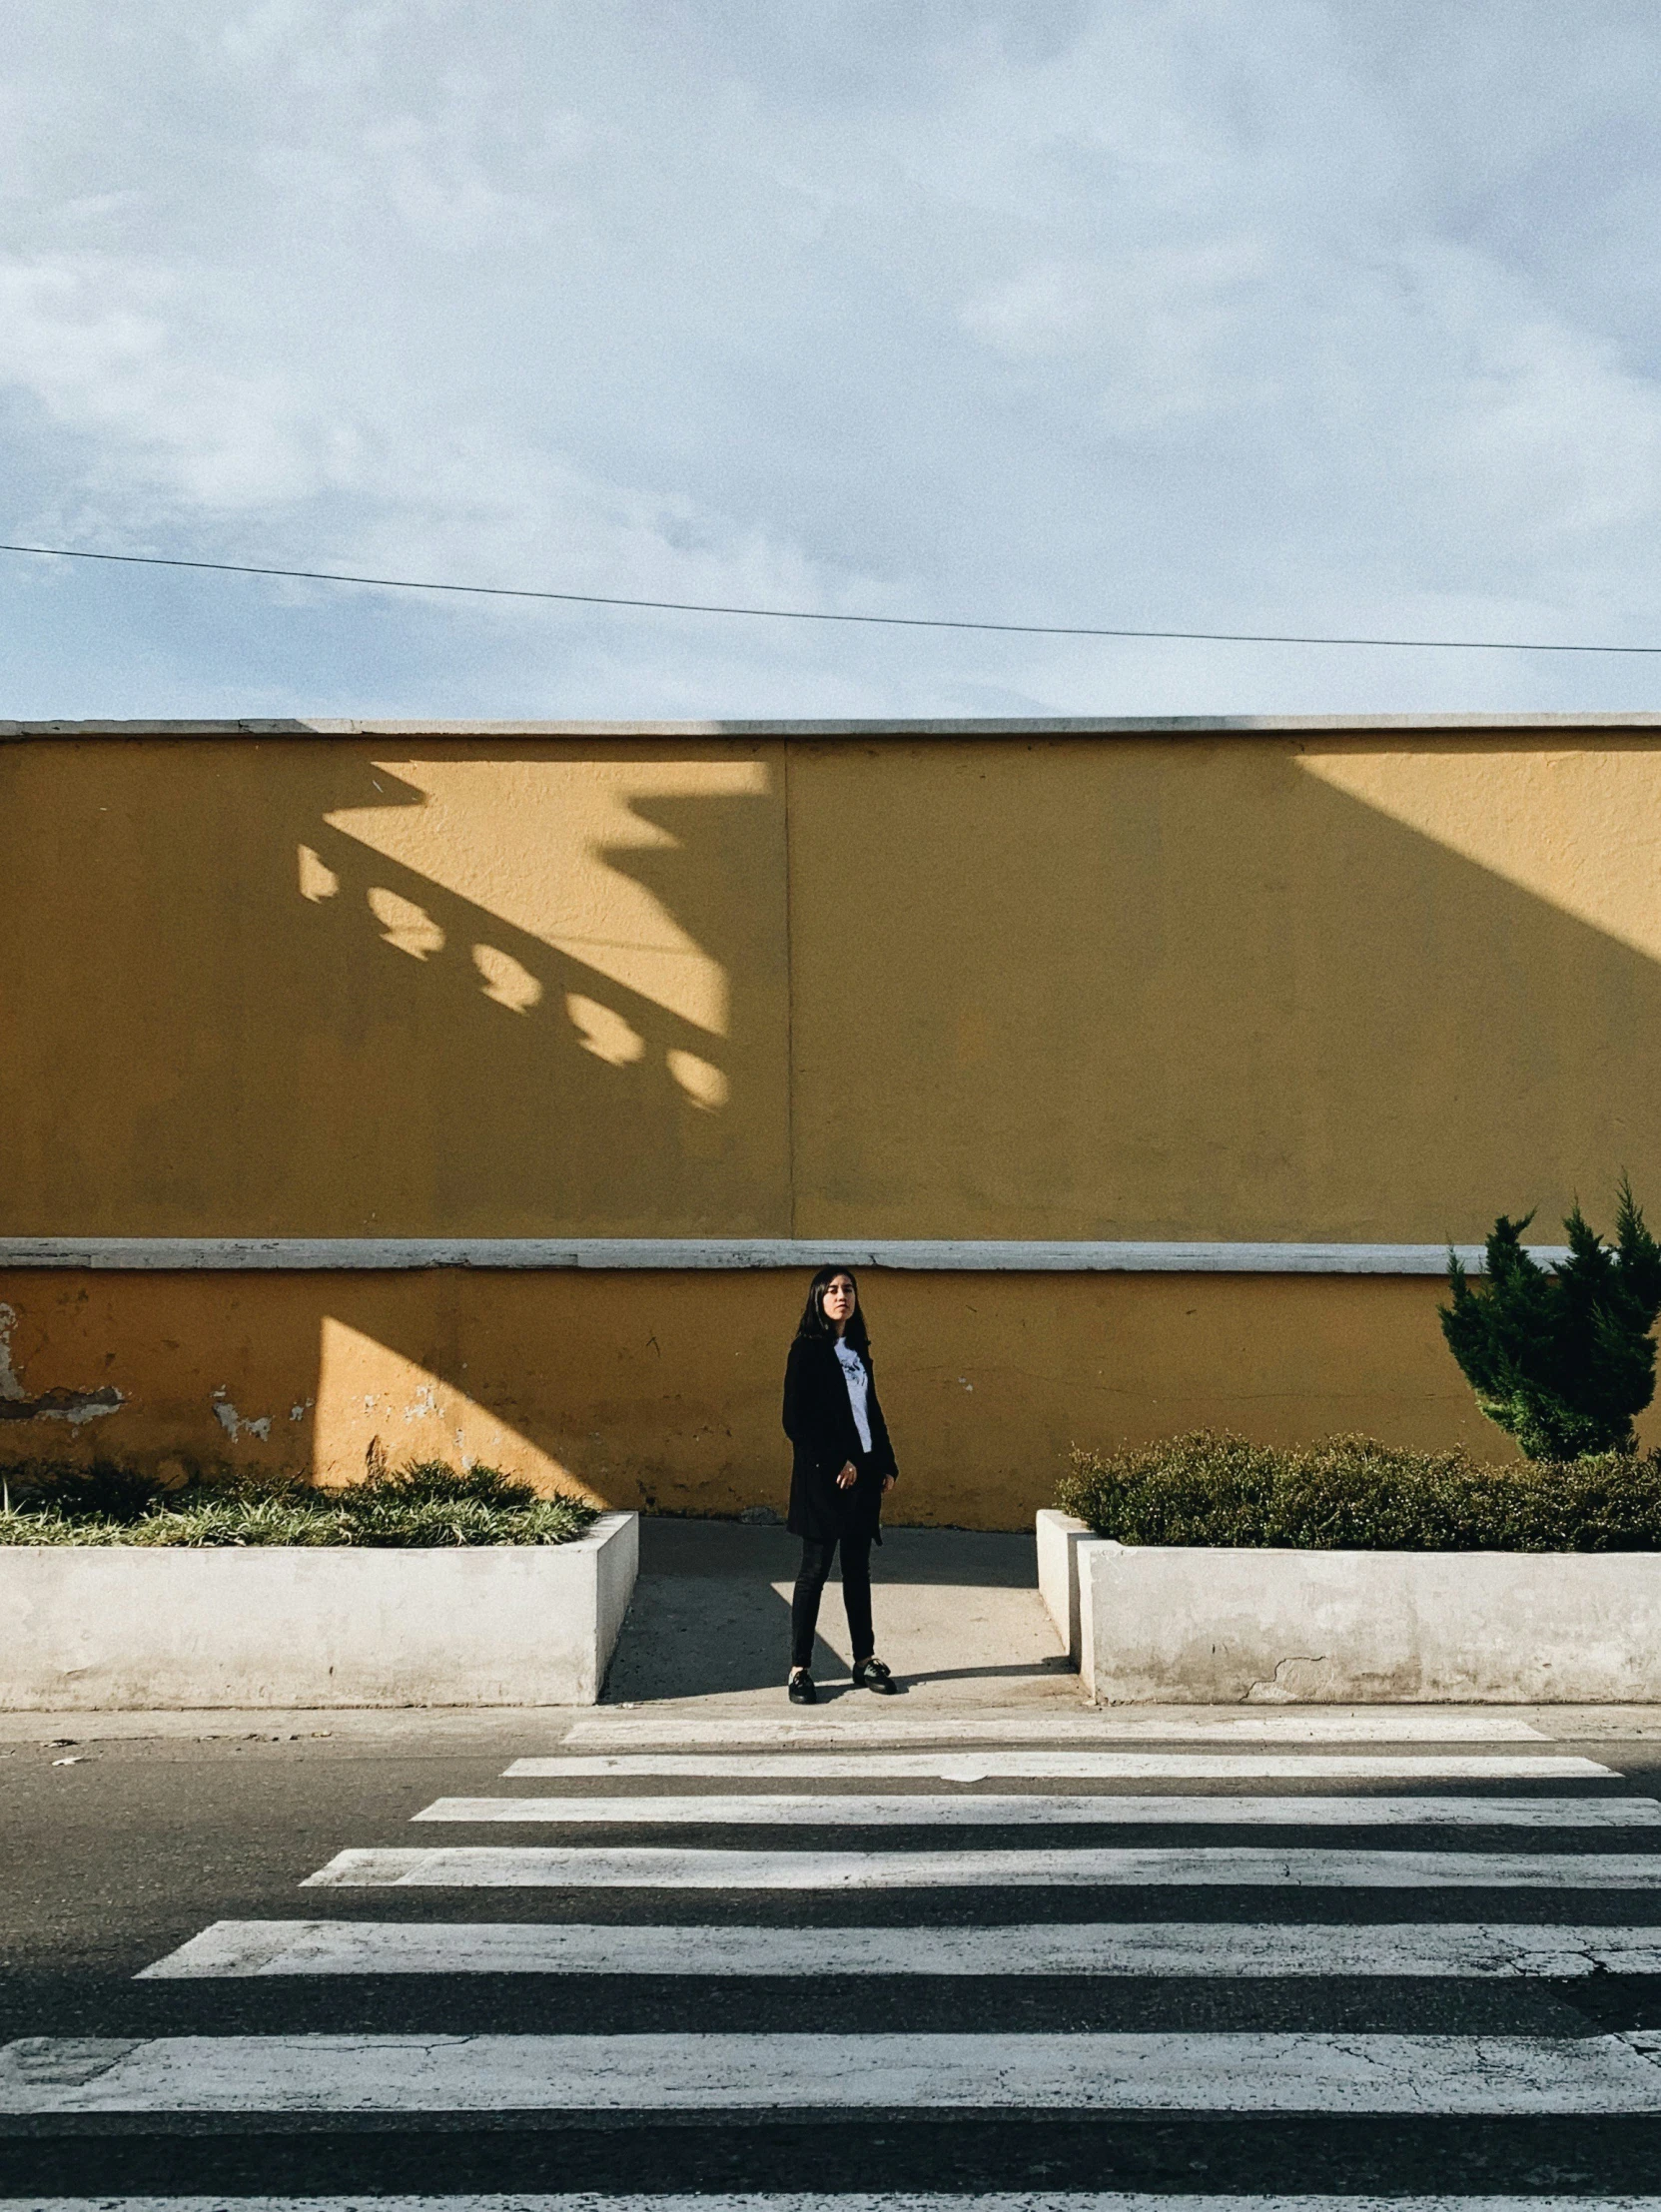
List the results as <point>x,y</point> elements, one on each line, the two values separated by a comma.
<point>812,614</point>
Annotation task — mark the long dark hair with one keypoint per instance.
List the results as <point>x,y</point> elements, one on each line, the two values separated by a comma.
<point>813,1323</point>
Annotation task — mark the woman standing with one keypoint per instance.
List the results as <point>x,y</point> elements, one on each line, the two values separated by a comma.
<point>843,1465</point>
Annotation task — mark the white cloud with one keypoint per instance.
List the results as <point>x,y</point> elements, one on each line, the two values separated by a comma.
<point>1168,312</point>
<point>100,344</point>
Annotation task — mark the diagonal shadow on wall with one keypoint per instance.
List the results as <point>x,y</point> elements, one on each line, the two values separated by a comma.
<point>1107,1000</point>
<point>1196,992</point>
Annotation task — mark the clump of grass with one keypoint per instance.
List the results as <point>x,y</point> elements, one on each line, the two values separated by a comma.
<point>429,1505</point>
<point>1350,1493</point>
<point>102,1491</point>
<point>436,1482</point>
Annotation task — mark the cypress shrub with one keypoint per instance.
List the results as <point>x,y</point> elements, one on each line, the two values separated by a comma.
<point>1561,1358</point>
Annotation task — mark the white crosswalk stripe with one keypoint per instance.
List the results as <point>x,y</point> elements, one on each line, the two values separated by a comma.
<point>1475,1952</point>
<point>1097,1765</point>
<point>627,1728</point>
<point>651,1867</point>
<point>1003,1810</point>
<point>1311,2073</point>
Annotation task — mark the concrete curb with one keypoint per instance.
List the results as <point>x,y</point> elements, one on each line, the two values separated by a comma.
<point>121,1628</point>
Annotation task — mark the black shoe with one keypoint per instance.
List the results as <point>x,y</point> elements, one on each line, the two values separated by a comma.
<point>802,1691</point>
<point>871,1674</point>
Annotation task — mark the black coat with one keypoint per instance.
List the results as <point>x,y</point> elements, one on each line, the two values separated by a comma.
<point>819,1421</point>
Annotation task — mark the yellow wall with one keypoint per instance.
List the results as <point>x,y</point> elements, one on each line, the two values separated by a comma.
<point>1370,986</point>
<point>663,1390</point>
<point>1347,988</point>
<point>306,988</point>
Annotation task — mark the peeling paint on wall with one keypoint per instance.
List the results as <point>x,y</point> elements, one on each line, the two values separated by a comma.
<point>410,1411</point>
<point>58,1404</point>
<point>10,1388</point>
<point>233,1423</point>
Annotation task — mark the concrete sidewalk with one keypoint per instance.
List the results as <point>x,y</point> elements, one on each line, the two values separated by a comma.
<point>957,1618</point>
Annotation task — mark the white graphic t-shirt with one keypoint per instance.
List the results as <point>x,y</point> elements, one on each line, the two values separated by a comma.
<point>859,1388</point>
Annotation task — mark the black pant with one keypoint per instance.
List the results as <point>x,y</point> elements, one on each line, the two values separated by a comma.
<point>811,1585</point>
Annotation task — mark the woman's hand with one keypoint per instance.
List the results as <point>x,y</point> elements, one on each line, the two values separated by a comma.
<point>850,1475</point>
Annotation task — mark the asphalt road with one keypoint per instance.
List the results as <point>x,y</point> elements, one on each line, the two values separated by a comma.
<point>119,1851</point>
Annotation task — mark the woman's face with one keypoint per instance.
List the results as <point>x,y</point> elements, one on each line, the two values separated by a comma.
<point>839,1299</point>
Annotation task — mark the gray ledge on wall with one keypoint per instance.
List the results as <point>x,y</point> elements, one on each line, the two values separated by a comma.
<point>327,1255</point>
<point>863,728</point>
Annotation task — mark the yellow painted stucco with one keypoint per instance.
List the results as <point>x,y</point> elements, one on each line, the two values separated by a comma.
<point>1352,987</point>
<point>1343,986</point>
<point>314,989</point>
<point>663,1390</point>
<point>1346,989</point>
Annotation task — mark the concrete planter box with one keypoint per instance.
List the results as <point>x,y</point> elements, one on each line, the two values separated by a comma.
<point>1170,1626</point>
<point>112,1628</point>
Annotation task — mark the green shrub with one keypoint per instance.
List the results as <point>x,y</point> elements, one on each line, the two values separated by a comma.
<point>424,1506</point>
<point>1561,1358</point>
<point>1352,1494</point>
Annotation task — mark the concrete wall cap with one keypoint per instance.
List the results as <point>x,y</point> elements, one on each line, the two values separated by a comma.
<point>945,1255</point>
<point>1022,726</point>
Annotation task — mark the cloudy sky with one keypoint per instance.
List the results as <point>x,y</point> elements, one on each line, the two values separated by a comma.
<point>1285,315</point>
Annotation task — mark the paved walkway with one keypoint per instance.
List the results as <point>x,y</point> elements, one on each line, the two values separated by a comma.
<point>957,1618</point>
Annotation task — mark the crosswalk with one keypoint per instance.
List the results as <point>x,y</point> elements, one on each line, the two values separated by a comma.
<point>1234,1989</point>
<point>1007,1809</point>
<point>1081,1767</point>
<point>1393,2074</point>
<point>1478,1950</point>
